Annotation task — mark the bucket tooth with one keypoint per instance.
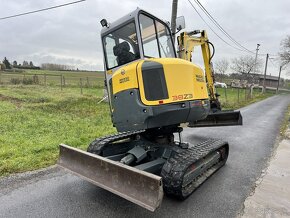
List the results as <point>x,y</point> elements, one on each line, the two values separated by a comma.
<point>139,187</point>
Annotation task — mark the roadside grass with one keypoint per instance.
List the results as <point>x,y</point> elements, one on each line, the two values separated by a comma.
<point>285,125</point>
<point>237,99</point>
<point>35,119</point>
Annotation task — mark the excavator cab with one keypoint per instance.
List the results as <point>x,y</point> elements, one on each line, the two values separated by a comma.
<point>138,35</point>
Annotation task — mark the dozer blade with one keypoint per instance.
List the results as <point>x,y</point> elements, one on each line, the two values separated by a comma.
<point>222,118</point>
<point>139,187</point>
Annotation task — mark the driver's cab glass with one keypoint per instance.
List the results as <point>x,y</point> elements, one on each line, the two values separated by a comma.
<point>165,43</point>
<point>156,38</point>
<point>121,46</point>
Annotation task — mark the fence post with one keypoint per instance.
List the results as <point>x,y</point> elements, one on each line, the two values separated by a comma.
<point>238,94</point>
<point>44,79</point>
<point>35,79</point>
<point>23,78</point>
<point>226,96</point>
<point>61,82</point>
<point>245,93</point>
<point>81,84</point>
<point>88,82</point>
<point>251,91</point>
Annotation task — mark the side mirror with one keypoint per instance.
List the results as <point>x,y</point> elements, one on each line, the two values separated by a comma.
<point>180,23</point>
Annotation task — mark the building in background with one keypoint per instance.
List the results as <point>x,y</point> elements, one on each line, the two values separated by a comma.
<point>270,81</point>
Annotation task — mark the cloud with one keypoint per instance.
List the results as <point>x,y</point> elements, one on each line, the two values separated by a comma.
<point>71,35</point>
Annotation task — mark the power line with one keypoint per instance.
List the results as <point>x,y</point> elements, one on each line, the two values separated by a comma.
<point>211,28</point>
<point>241,47</point>
<point>220,27</point>
<point>44,9</point>
<point>275,55</point>
<point>274,64</point>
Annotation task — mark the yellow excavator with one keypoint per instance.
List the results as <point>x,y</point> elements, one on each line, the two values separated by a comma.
<point>152,90</point>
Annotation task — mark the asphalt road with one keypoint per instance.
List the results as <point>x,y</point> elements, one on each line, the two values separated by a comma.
<point>55,193</point>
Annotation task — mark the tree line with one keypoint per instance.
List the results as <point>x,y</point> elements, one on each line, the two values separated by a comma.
<point>29,65</point>
<point>25,64</point>
<point>249,64</point>
<point>242,65</point>
<point>50,66</point>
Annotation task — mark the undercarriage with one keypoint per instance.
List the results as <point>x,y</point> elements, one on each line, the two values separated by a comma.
<point>182,167</point>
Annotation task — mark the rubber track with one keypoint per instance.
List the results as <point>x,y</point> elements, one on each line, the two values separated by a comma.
<point>99,143</point>
<point>176,166</point>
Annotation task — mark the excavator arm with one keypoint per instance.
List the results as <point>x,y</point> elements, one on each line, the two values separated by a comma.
<point>187,41</point>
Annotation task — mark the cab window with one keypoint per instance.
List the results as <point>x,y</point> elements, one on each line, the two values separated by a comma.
<point>156,38</point>
<point>121,46</point>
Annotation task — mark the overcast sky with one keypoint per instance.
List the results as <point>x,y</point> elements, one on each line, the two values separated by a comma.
<point>71,35</point>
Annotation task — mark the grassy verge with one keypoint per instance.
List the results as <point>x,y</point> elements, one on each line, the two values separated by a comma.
<point>285,123</point>
<point>35,119</point>
<point>234,98</point>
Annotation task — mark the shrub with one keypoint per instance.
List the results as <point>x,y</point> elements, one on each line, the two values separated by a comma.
<point>15,81</point>
<point>27,81</point>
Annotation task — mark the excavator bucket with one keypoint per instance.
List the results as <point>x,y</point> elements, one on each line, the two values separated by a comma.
<point>139,187</point>
<point>222,118</point>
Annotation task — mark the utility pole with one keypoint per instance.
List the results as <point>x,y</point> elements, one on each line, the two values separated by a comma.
<point>266,65</point>
<point>257,49</point>
<point>173,18</point>
<point>277,90</point>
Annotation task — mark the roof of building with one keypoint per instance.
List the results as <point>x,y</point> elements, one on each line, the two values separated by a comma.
<point>268,77</point>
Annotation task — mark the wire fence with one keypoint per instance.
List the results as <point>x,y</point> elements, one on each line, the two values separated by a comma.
<point>83,81</point>
<point>236,97</point>
<point>60,80</point>
<point>239,94</point>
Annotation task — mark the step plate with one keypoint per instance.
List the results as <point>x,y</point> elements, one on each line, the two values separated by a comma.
<point>139,187</point>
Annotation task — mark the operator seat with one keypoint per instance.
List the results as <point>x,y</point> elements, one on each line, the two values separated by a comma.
<point>123,54</point>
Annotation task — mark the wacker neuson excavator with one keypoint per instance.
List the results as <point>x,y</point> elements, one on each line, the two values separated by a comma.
<point>152,90</point>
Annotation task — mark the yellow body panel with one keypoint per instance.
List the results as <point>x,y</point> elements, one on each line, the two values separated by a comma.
<point>185,81</point>
<point>125,77</point>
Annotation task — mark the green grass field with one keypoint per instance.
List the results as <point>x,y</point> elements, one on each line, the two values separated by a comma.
<point>35,119</point>
<point>235,100</point>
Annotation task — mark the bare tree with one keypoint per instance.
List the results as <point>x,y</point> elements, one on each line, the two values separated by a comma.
<point>245,64</point>
<point>6,63</point>
<point>221,66</point>
<point>25,64</point>
<point>285,51</point>
<point>51,66</point>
